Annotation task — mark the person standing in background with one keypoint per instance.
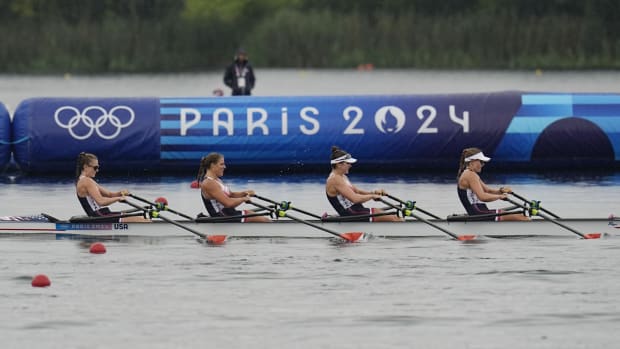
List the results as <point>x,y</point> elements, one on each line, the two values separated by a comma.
<point>239,76</point>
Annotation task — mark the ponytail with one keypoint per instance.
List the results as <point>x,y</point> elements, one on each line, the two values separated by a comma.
<point>464,154</point>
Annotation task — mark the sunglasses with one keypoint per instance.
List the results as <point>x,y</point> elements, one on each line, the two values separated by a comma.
<point>96,168</point>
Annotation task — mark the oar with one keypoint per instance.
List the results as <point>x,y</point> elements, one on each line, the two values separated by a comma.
<point>237,218</point>
<point>480,217</point>
<point>409,213</point>
<point>162,205</point>
<point>537,213</point>
<point>350,237</point>
<point>287,205</point>
<point>540,208</point>
<point>410,203</point>
<point>356,217</point>
<point>213,239</point>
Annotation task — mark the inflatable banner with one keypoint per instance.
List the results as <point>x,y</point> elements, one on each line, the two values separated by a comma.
<point>123,133</point>
<point>5,137</point>
<point>408,132</point>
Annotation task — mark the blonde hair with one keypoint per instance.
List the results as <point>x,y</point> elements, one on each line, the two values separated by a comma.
<point>464,154</point>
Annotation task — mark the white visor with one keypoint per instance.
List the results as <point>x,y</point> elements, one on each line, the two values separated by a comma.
<point>478,156</point>
<point>344,158</point>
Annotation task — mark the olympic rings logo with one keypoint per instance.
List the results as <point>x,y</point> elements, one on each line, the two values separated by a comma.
<point>101,119</point>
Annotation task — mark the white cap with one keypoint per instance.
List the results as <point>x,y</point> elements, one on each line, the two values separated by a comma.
<point>345,158</point>
<point>478,156</point>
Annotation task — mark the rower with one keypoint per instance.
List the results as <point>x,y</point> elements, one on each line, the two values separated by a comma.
<point>93,197</point>
<point>217,197</point>
<point>474,194</point>
<point>346,198</point>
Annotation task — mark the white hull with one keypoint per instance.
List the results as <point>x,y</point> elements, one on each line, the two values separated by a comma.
<point>292,229</point>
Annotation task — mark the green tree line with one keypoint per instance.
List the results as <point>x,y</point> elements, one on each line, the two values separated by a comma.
<point>109,36</point>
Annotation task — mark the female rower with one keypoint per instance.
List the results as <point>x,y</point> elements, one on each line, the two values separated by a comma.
<point>473,193</point>
<point>93,197</point>
<point>346,198</point>
<point>217,197</point>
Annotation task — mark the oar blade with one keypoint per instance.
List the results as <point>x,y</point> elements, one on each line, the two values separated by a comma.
<point>216,239</point>
<point>466,237</point>
<point>592,236</point>
<point>352,236</point>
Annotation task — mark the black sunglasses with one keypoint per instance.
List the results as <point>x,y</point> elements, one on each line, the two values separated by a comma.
<point>96,168</point>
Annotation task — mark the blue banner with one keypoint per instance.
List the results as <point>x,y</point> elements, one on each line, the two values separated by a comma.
<point>563,128</point>
<point>122,132</point>
<point>5,137</point>
<point>402,132</point>
<point>396,131</point>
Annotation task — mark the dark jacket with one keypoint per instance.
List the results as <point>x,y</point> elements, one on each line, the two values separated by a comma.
<point>240,70</point>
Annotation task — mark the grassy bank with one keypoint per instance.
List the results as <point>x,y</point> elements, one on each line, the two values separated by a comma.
<point>316,38</point>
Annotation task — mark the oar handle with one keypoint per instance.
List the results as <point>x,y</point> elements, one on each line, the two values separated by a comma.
<point>541,208</point>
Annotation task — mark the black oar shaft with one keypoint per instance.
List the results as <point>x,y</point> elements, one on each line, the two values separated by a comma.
<point>417,208</point>
<point>166,208</point>
<point>540,208</point>
<point>454,236</point>
<point>301,221</point>
<point>170,221</point>
<point>292,208</point>
<point>548,218</point>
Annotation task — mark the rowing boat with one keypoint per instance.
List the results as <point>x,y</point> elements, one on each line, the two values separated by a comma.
<point>292,229</point>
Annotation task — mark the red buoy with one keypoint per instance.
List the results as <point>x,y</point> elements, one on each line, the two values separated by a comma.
<point>41,280</point>
<point>97,248</point>
<point>195,184</point>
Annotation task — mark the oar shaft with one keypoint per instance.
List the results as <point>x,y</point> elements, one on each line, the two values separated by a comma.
<point>170,221</point>
<point>425,221</point>
<point>292,207</point>
<point>416,208</point>
<point>300,220</point>
<point>167,208</point>
<point>427,213</point>
<point>540,208</point>
<point>548,218</point>
<point>228,218</point>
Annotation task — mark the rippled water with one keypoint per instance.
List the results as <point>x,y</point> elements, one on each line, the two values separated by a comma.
<point>519,293</point>
<point>314,293</point>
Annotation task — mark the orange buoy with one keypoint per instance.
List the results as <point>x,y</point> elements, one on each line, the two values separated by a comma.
<point>97,248</point>
<point>41,280</point>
